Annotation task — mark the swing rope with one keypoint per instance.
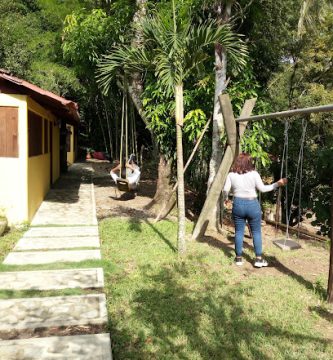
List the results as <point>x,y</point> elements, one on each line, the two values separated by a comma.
<point>304,126</point>
<point>122,134</point>
<point>284,163</point>
<point>127,130</point>
<point>298,176</point>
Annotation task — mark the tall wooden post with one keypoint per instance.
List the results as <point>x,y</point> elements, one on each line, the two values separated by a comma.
<point>228,158</point>
<point>330,276</point>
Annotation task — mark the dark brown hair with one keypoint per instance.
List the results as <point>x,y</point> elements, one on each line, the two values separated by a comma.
<point>242,164</point>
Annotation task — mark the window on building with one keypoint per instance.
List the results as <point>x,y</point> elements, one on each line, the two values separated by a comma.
<point>46,136</point>
<point>68,138</point>
<point>8,131</point>
<point>35,134</point>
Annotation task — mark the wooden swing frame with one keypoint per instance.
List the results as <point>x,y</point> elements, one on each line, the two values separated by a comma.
<point>234,136</point>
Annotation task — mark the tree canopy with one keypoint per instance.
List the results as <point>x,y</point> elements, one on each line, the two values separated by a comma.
<point>58,44</point>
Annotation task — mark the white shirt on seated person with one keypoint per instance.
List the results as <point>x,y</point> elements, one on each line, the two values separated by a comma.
<point>133,176</point>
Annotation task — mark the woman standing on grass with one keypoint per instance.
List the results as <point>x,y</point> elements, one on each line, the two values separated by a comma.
<point>243,180</point>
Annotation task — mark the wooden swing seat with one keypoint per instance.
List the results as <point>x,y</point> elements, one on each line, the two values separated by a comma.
<point>287,244</point>
<point>123,185</point>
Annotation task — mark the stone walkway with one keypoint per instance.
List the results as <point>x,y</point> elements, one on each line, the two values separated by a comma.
<point>64,230</point>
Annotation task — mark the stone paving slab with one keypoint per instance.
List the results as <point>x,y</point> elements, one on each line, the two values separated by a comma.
<point>62,231</point>
<point>65,207</point>
<point>32,313</point>
<point>57,243</point>
<point>47,257</point>
<point>79,347</point>
<point>52,279</point>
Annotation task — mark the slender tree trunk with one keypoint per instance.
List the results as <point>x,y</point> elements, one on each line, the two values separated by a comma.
<point>136,84</point>
<point>330,276</point>
<point>180,169</point>
<point>135,90</point>
<point>223,14</point>
<point>135,87</point>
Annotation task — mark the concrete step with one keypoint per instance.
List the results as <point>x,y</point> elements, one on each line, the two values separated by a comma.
<point>48,257</point>
<point>26,243</point>
<point>32,313</point>
<point>52,279</point>
<point>62,231</point>
<point>79,347</point>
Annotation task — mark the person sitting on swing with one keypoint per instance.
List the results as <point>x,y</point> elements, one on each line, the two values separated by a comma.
<point>131,172</point>
<point>244,180</point>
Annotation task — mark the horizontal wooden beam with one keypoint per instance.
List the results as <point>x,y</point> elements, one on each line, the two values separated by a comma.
<point>287,113</point>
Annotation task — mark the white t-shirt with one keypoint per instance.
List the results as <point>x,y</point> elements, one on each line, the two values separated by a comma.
<point>133,176</point>
<point>245,185</point>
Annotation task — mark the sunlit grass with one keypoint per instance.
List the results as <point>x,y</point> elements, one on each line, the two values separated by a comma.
<point>8,241</point>
<point>200,307</point>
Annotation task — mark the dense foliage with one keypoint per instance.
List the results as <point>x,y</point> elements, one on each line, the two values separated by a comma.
<point>57,44</point>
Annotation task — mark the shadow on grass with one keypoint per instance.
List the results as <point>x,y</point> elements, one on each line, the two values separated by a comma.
<point>322,312</point>
<point>182,323</point>
<point>300,279</point>
<point>137,217</point>
<point>228,250</point>
<point>135,224</point>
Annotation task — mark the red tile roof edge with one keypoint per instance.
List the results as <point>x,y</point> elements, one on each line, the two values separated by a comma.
<point>70,105</point>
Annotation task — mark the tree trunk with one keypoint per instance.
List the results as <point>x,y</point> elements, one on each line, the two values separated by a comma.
<point>302,16</point>
<point>163,186</point>
<point>136,84</point>
<point>223,14</point>
<point>180,169</point>
<point>218,183</point>
<point>330,276</point>
<point>135,87</point>
<point>170,204</point>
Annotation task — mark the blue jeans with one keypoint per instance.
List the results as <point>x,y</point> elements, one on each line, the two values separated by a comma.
<point>247,210</point>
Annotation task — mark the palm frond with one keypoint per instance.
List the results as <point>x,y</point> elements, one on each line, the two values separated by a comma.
<point>210,33</point>
<point>124,59</point>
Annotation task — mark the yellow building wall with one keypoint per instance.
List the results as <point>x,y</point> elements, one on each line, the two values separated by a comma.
<point>71,153</point>
<point>38,182</point>
<point>39,171</point>
<point>25,180</point>
<point>13,179</point>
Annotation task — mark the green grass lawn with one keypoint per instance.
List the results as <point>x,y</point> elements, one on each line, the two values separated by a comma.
<point>201,307</point>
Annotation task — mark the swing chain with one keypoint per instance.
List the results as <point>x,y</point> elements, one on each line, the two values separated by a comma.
<point>298,176</point>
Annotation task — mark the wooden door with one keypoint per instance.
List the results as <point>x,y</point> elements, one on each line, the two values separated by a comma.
<point>9,131</point>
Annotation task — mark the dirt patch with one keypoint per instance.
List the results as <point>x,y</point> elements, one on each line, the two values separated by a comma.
<point>112,202</point>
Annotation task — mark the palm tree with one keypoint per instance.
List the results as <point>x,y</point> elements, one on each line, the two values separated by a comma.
<point>173,50</point>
